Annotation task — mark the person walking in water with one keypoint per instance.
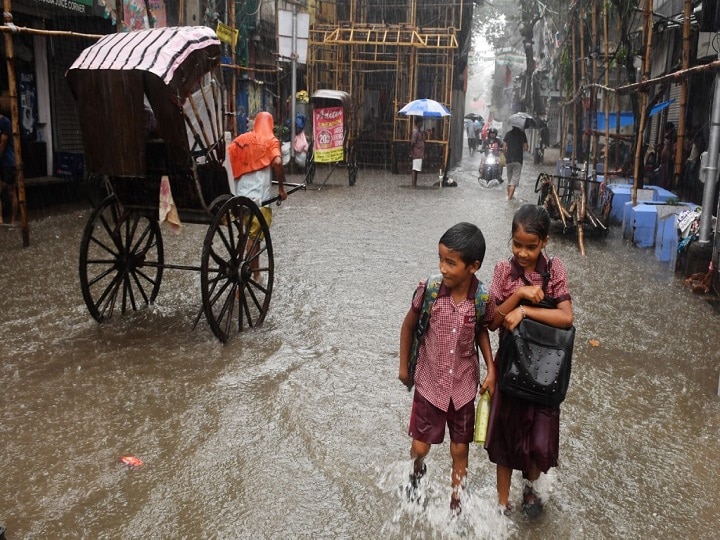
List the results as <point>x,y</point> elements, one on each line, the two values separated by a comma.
<point>447,371</point>
<point>522,435</point>
<point>515,144</point>
<point>417,149</point>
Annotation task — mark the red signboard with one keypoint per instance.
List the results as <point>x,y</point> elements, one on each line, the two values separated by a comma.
<point>328,134</point>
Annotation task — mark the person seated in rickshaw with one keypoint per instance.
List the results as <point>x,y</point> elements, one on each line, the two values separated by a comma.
<point>490,144</point>
<point>254,157</point>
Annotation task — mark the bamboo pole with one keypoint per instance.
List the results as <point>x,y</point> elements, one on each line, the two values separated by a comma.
<point>14,117</point>
<point>594,94</point>
<point>64,33</point>
<point>120,7</point>
<point>606,95</point>
<point>648,31</point>
<point>235,67</point>
<point>580,213</point>
<point>618,136</point>
<point>680,147</point>
<point>231,110</point>
<point>618,110</point>
<point>675,76</point>
<point>563,127</point>
<point>644,85</point>
<point>575,89</point>
<point>150,16</point>
<point>583,78</point>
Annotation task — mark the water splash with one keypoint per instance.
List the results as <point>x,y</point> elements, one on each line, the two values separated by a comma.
<point>425,512</point>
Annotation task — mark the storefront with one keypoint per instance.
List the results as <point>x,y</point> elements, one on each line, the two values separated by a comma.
<point>49,129</point>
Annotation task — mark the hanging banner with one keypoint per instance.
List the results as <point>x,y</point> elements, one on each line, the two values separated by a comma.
<point>28,104</point>
<point>227,34</point>
<point>328,134</point>
<point>136,14</point>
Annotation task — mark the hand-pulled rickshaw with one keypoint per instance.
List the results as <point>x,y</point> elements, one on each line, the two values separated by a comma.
<point>333,139</point>
<point>151,115</point>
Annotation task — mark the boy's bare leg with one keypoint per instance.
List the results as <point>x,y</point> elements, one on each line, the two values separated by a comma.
<point>414,178</point>
<point>418,451</point>
<point>459,453</point>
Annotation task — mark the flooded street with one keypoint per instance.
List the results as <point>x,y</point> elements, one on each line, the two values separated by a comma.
<point>299,428</point>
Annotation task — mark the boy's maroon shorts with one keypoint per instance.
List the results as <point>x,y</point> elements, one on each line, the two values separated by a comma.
<point>427,422</point>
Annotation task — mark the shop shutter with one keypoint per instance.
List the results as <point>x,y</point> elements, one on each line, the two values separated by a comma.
<point>673,114</point>
<point>66,124</point>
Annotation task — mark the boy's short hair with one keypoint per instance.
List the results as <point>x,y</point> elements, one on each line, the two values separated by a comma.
<point>467,239</point>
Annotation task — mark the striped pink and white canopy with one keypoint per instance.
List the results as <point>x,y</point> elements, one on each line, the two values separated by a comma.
<point>115,78</point>
<point>160,51</point>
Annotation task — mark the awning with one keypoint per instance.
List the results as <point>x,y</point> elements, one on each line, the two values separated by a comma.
<point>626,118</point>
<point>160,51</point>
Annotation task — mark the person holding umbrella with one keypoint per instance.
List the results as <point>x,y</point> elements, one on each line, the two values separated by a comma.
<point>421,108</point>
<point>417,149</point>
<point>515,144</point>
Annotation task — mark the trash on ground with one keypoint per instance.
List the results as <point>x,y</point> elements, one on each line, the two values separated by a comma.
<point>131,461</point>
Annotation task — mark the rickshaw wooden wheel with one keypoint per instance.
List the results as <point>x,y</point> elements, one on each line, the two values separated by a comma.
<point>236,271</point>
<point>310,166</point>
<point>121,260</point>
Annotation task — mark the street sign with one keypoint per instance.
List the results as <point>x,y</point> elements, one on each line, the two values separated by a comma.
<point>285,34</point>
<point>227,34</point>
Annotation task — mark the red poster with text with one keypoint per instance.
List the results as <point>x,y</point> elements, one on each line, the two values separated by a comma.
<point>328,134</point>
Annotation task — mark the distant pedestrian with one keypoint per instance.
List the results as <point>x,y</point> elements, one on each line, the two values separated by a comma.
<point>417,149</point>
<point>515,144</point>
<point>472,138</point>
<point>478,126</point>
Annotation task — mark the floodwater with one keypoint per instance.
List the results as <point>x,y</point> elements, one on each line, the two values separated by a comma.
<point>299,428</point>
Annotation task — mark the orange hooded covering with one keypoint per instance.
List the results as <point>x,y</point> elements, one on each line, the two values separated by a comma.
<point>256,149</point>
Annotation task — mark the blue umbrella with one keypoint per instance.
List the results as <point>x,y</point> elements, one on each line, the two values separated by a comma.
<point>425,107</point>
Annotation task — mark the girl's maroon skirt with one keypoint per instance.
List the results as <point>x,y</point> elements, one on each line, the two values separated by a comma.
<point>521,433</point>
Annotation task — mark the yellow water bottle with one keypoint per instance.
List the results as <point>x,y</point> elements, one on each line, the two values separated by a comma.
<point>482,415</point>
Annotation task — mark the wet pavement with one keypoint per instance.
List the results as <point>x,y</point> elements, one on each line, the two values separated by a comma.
<point>298,429</point>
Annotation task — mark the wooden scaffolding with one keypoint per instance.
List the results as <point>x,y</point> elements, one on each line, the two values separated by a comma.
<point>386,53</point>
